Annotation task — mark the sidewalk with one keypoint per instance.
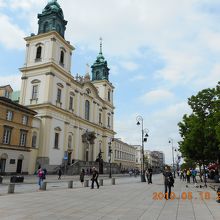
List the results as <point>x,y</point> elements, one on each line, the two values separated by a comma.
<point>129,199</point>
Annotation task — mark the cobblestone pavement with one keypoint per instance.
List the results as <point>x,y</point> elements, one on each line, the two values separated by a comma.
<point>129,199</point>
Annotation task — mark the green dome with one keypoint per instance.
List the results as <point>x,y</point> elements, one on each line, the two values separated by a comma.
<point>53,6</point>
<point>52,19</point>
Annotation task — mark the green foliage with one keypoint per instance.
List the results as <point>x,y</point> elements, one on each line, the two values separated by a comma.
<point>200,131</point>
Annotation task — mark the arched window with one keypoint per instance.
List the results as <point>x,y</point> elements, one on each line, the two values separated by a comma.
<point>46,27</point>
<point>38,54</point>
<point>58,28</point>
<point>69,142</point>
<point>87,106</point>
<point>34,140</point>
<point>97,74</point>
<point>61,57</point>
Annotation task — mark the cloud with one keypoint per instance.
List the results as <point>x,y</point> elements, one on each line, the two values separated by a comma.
<point>162,125</point>
<point>155,96</point>
<point>2,3</point>
<point>178,32</point>
<point>13,80</point>
<point>11,35</point>
<point>138,78</point>
<point>129,65</point>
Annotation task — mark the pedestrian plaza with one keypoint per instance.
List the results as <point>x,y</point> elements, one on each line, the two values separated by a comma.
<point>129,199</point>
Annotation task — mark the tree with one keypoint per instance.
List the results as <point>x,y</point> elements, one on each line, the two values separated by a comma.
<point>200,130</point>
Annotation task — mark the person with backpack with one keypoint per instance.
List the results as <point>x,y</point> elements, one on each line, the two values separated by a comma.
<point>168,181</point>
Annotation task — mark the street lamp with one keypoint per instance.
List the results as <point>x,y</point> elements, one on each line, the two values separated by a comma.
<point>171,141</point>
<point>144,135</point>
<point>110,156</point>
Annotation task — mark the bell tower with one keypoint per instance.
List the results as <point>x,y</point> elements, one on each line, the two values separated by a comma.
<point>100,70</point>
<point>52,19</point>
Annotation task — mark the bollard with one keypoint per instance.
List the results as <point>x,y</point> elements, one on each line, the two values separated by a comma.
<point>44,186</point>
<point>113,181</point>
<point>11,188</point>
<point>70,184</point>
<point>86,183</point>
<point>218,195</point>
<point>101,182</point>
<point>1,179</point>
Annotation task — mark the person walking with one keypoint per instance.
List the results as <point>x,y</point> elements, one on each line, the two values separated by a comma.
<point>81,176</point>
<point>59,173</point>
<point>40,174</point>
<point>150,171</point>
<point>188,174</point>
<point>147,175</point>
<point>168,181</point>
<point>194,173</point>
<point>95,175</point>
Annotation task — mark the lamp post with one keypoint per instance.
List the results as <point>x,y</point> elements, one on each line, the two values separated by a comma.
<point>110,157</point>
<point>171,141</point>
<point>144,135</point>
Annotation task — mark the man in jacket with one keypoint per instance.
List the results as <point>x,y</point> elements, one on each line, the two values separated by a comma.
<point>95,175</point>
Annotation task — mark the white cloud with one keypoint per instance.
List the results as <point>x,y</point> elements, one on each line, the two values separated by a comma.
<point>13,80</point>
<point>155,96</point>
<point>138,78</point>
<point>11,35</point>
<point>162,125</point>
<point>2,3</point>
<point>177,31</point>
<point>129,65</point>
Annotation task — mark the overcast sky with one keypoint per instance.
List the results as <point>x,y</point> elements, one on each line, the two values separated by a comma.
<point>159,52</point>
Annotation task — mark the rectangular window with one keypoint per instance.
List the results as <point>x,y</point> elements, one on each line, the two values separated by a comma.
<point>7,135</point>
<point>7,94</point>
<point>100,118</point>
<point>71,103</point>
<point>59,95</point>
<point>9,115</point>
<point>35,92</point>
<point>109,96</point>
<point>56,141</point>
<point>23,138</point>
<point>24,119</point>
<point>109,122</point>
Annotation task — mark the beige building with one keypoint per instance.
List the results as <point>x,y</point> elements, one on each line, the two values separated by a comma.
<point>76,114</point>
<point>123,154</point>
<point>17,140</point>
<point>6,91</point>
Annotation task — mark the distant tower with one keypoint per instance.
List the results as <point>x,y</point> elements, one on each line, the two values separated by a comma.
<point>100,70</point>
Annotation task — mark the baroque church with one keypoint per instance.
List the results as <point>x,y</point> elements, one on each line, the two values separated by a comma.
<point>75,115</point>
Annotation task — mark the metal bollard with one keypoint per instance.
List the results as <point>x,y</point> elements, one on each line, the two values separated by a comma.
<point>44,186</point>
<point>101,182</point>
<point>11,188</point>
<point>70,184</point>
<point>113,181</point>
<point>86,183</point>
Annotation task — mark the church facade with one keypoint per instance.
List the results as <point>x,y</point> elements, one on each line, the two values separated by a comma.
<point>76,113</point>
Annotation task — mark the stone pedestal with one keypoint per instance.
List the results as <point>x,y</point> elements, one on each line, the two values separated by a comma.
<point>86,183</point>
<point>101,182</point>
<point>70,184</point>
<point>113,181</point>
<point>44,186</point>
<point>11,188</point>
